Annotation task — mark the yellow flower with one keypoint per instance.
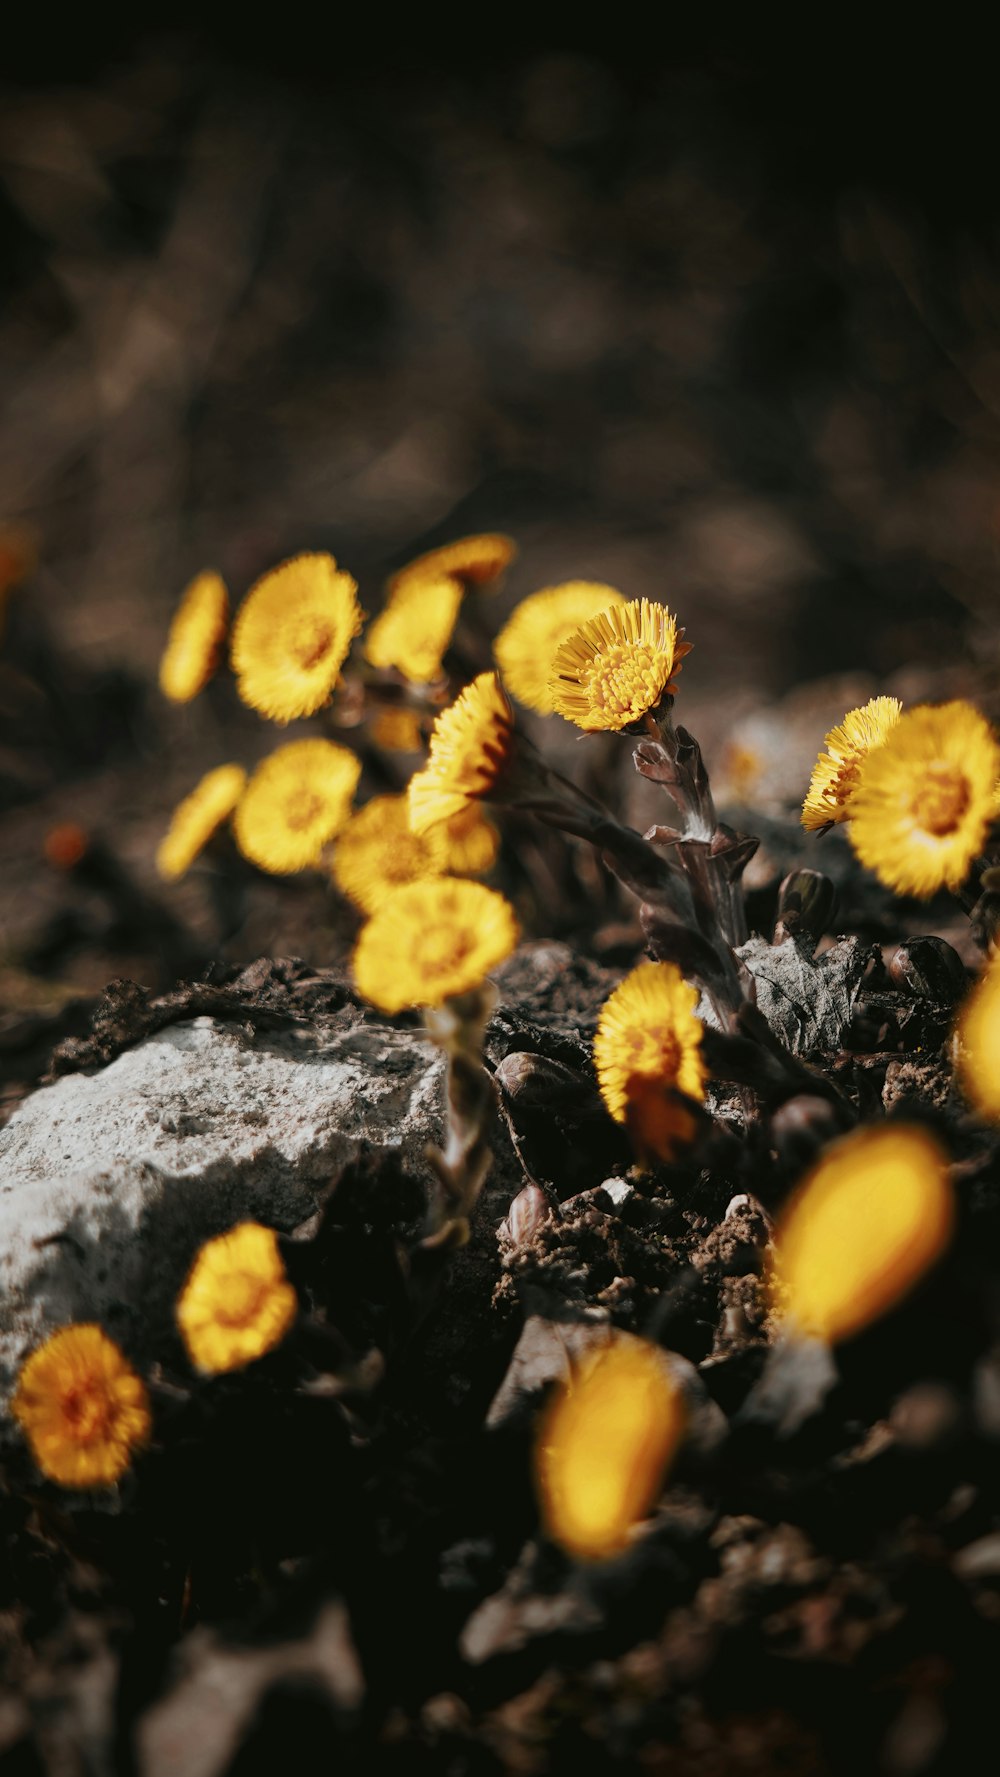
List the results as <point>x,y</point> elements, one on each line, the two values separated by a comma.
<point>377,852</point>
<point>924,798</point>
<point>195,642</point>
<point>237,1302</point>
<point>82,1408</point>
<point>476,561</point>
<point>470,745</point>
<point>297,799</point>
<point>398,730</point>
<point>527,645</point>
<point>835,773</point>
<point>432,940</point>
<point>469,842</point>
<point>862,1229</point>
<point>979,1043</point>
<point>415,628</point>
<point>291,636</point>
<point>603,1447</point>
<point>195,819</point>
<point>618,666</point>
<point>647,1047</point>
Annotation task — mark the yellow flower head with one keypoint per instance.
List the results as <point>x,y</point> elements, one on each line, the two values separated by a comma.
<point>979,1043</point>
<point>471,743</point>
<point>415,628</point>
<point>924,798</point>
<point>398,730</point>
<point>469,842</point>
<point>618,666</point>
<point>237,1302</point>
<point>297,799</point>
<point>82,1408</point>
<point>835,773</point>
<point>530,639</point>
<point>863,1228</point>
<point>195,642</point>
<point>377,851</point>
<point>603,1447</point>
<point>648,1046</point>
<point>194,820</point>
<point>475,561</point>
<point>432,940</point>
<point>291,636</point>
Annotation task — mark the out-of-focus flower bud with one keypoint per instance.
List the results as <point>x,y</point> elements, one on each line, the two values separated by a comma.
<point>807,901</point>
<point>526,1214</point>
<point>930,969</point>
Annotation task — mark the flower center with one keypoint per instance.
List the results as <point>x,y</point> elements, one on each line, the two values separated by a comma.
<point>302,809</point>
<point>87,1412</point>
<point>941,800</point>
<point>654,1051</point>
<point>241,1300</point>
<point>626,681</point>
<point>312,643</point>
<point>442,950</point>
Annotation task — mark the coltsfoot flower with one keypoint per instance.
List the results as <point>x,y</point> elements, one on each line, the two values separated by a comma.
<point>377,851</point>
<point>432,940</point>
<point>398,729</point>
<point>475,561</point>
<point>862,1230</point>
<point>527,645</point>
<point>237,1302</point>
<point>618,666</point>
<point>836,771</point>
<point>82,1408</point>
<point>648,1047</point>
<point>194,820</point>
<point>924,798</point>
<point>470,745</point>
<point>414,630</point>
<point>604,1445</point>
<point>291,636</point>
<point>298,798</point>
<point>195,644</point>
<point>979,1043</point>
<point>469,842</point>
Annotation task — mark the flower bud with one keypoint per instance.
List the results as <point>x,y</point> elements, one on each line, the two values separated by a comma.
<point>526,1214</point>
<point>807,901</point>
<point>928,968</point>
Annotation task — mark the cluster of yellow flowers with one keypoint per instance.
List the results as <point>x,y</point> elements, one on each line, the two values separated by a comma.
<point>83,1408</point>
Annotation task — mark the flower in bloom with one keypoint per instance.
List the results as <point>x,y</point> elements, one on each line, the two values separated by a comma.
<point>924,798</point>
<point>415,628</point>
<point>617,666</point>
<point>195,642</point>
<point>377,851</point>
<point>470,744</point>
<point>979,1043</point>
<point>82,1407</point>
<point>836,771</point>
<point>469,842</point>
<point>647,1048</point>
<point>297,799</point>
<point>527,645</point>
<point>604,1445</point>
<point>292,634</point>
<point>237,1302</point>
<point>432,940</point>
<point>194,820</point>
<point>398,729</point>
<point>862,1229</point>
<point>475,561</point>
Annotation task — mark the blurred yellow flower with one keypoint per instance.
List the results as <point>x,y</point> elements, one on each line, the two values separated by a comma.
<point>470,745</point>
<point>475,561</point>
<point>527,645</point>
<point>646,1048</point>
<point>432,940</point>
<point>924,798</point>
<point>196,640</point>
<point>194,820</point>
<point>82,1407</point>
<point>237,1302</point>
<point>377,851</point>
<point>617,666</point>
<point>297,799</point>
<point>398,729</point>
<point>835,773</point>
<point>414,630</point>
<point>603,1447</point>
<point>862,1229</point>
<point>979,1043</point>
<point>291,636</point>
<point>469,842</point>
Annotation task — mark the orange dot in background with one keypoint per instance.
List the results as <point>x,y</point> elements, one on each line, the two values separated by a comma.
<point>65,845</point>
